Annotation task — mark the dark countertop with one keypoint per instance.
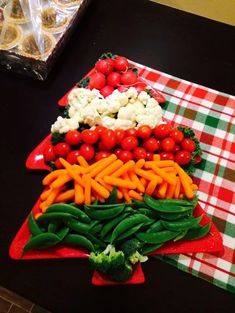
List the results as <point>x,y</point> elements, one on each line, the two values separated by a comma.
<point>181,44</point>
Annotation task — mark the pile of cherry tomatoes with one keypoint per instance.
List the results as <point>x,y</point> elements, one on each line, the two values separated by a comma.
<point>131,144</point>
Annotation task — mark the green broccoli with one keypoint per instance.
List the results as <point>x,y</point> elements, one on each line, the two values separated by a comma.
<point>121,273</point>
<point>130,249</point>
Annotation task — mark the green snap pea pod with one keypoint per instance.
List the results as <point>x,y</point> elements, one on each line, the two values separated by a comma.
<point>113,196</point>
<point>128,223</point>
<point>96,229</point>
<point>138,204</point>
<point>174,216</point>
<point>129,209</point>
<point>159,237</point>
<point>71,209</point>
<point>130,232</point>
<point>182,224</point>
<point>96,241</point>
<point>197,233</point>
<point>148,248</point>
<point>41,241</point>
<point>78,227</point>
<point>147,212</point>
<point>159,206</point>
<point>155,227</point>
<point>63,232</point>
<point>105,214</point>
<point>181,235</point>
<point>33,226</point>
<point>111,224</point>
<point>78,241</point>
<point>94,207</point>
<point>183,202</point>
<point>48,217</point>
<point>53,226</point>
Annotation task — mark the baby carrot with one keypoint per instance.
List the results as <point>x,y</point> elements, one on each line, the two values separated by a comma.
<point>126,195</point>
<point>185,182</point>
<point>139,186</point>
<point>123,169</point>
<point>79,193</point>
<point>170,191</point>
<point>68,195</point>
<point>135,195</point>
<point>151,187</point>
<point>144,182</point>
<point>53,195</point>
<point>71,171</point>
<point>87,193</point>
<point>168,178</point>
<point>60,181</point>
<point>147,175</point>
<point>100,190</point>
<point>119,182</point>
<point>156,157</point>
<point>163,163</point>
<point>110,169</point>
<point>162,189</point>
<point>45,194</point>
<point>177,188</point>
<point>37,215</point>
<point>140,163</point>
<point>82,161</point>
<point>49,178</point>
<point>100,167</point>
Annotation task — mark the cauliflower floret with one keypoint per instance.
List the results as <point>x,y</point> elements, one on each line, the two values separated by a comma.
<point>131,93</point>
<point>151,102</point>
<point>90,116</point>
<point>72,111</point>
<point>123,99</point>
<point>127,113</point>
<point>95,93</point>
<point>143,97</point>
<point>108,122</point>
<point>79,97</point>
<point>124,123</point>
<point>113,107</point>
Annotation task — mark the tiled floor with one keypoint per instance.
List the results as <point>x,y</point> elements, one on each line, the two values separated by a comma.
<point>13,303</point>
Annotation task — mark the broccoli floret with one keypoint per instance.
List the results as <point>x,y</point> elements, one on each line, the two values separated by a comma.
<point>130,249</point>
<point>107,259</point>
<point>121,273</point>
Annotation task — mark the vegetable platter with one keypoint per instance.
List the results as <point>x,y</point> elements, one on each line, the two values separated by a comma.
<point>119,187</point>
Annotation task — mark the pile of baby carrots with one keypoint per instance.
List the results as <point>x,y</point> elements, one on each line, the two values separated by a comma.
<point>158,178</point>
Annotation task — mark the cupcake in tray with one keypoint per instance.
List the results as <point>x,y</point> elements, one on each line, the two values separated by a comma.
<point>53,21</point>
<point>10,36</point>
<point>68,3</point>
<point>29,47</point>
<point>15,11</point>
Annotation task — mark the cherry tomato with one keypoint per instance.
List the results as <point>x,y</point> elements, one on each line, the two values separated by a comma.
<point>117,151</point>
<point>62,149</point>
<point>72,156</point>
<point>73,137</point>
<point>198,159</point>
<point>89,136</point>
<point>111,62</point>
<point>188,145</point>
<point>99,130</point>
<point>121,63</point>
<point>104,67</point>
<point>183,157</point>
<point>114,79</point>
<point>139,153</point>
<point>151,144</point>
<point>177,135</point>
<point>125,156</point>
<point>166,156</point>
<point>129,143</point>
<point>128,78</point>
<point>176,149</point>
<point>49,153</point>
<point>108,139</point>
<point>101,146</point>
<point>168,144</point>
<point>58,164</point>
<point>87,151</point>
<point>106,91</point>
<point>149,156</point>
<point>97,81</point>
<point>119,135</point>
<point>162,130</point>
<point>131,132</point>
<point>102,155</point>
<point>144,132</point>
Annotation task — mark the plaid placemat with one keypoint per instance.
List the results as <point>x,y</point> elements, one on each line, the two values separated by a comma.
<point>211,115</point>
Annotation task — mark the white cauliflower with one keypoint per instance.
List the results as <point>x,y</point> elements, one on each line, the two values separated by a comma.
<point>124,123</point>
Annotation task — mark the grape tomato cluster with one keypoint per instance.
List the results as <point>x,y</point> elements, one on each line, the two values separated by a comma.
<point>132,144</point>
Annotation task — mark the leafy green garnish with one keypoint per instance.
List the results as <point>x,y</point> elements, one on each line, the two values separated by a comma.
<point>66,111</point>
<point>107,55</point>
<point>83,83</point>
<point>57,137</point>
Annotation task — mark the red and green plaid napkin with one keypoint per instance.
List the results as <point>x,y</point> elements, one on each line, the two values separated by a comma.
<point>211,115</point>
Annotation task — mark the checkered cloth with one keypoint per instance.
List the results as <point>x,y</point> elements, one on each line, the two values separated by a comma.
<point>211,115</point>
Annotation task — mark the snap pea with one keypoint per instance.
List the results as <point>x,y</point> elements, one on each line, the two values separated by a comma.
<point>93,207</point>
<point>180,202</point>
<point>63,232</point>
<point>128,223</point>
<point>148,248</point>
<point>197,233</point>
<point>69,208</point>
<point>180,236</point>
<point>160,206</point>
<point>112,197</point>
<point>174,216</point>
<point>138,204</point>
<point>41,241</point>
<point>96,241</point>
<point>53,226</point>
<point>105,214</point>
<point>130,232</point>
<point>147,212</point>
<point>96,228</point>
<point>78,227</point>
<point>78,241</point>
<point>155,227</point>
<point>47,217</point>
<point>158,237</point>
<point>182,224</point>
<point>111,224</point>
<point>33,226</point>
